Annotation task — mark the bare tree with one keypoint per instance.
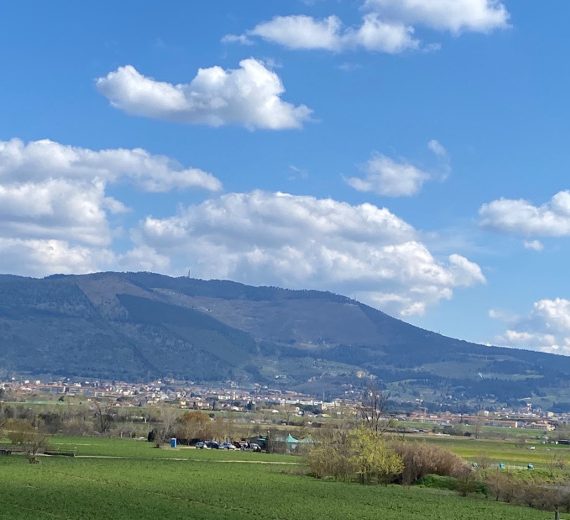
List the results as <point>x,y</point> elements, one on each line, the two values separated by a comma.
<point>373,407</point>
<point>28,436</point>
<point>168,416</point>
<point>478,425</point>
<point>34,443</point>
<point>103,416</point>
<point>194,425</point>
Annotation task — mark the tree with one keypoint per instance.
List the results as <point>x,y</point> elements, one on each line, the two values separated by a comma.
<point>29,437</point>
<point>478,425</point>
<point>501,485</point>
<point>331,454</point>
<point>372,409</point>
<point>222,428</point>
<point>373,459</point>
<point>193,425</point>
<point>347,454</point>
<point>167,416</point>
<point>103,416</point>
<point>555,463</point>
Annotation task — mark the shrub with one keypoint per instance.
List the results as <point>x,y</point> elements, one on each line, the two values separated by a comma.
<point>438,482</point>
<point>358,454</point>
<point>421,459</point>
<point>331,455</point>
<point>375,461</point>
<point>468,483</point>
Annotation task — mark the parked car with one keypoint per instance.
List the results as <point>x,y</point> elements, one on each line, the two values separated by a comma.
<point>213,445</point>
<point>202,445</point>
<point>227,446</point>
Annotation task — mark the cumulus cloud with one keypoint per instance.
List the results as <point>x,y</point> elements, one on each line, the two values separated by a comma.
<point>39,160</point>
<point>455,16</point>
<point>143,258</point>
<point>38,257</point>
<point>301,32</point>
<point>387,26</point>
<point>249,96</point>
<point>546,328</point>
<point>385,176</point>
<point>54,208</point>
<point>306,32</point>
<point>364,251</point>
<point>521,217</point>
<point>399,178</point>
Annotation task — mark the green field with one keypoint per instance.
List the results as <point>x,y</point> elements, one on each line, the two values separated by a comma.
<point>507,452</point>
<point>115,479</point>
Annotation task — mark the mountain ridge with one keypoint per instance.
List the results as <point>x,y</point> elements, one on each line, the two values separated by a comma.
<point>146,325</point>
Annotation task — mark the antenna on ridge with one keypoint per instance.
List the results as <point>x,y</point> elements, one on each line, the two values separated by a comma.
<point>188,275</point>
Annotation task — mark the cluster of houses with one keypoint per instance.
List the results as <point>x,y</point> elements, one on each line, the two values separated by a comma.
<point>230,396</point>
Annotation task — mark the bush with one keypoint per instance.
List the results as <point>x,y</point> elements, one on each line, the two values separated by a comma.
<point>468,483</point>
<point>358,454</point>
<point>438,482</point>
<point>375,461</point>
<point>421,459</point>
<point>24,434</point>
<point>501,486</point>
<point>331,455</point>
<point>514,489</point>
<point>465,484</point>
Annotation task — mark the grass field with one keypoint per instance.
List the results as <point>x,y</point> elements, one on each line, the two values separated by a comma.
<point>116,479</point>
<point>507,452</point>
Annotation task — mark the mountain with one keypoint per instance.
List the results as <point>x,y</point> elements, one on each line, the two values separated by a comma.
<point>135,326</point>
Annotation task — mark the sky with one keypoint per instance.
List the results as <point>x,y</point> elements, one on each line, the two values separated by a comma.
<point>411,154</point>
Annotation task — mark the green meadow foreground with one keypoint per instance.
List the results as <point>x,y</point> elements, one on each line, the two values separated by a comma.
<point>116,479</point>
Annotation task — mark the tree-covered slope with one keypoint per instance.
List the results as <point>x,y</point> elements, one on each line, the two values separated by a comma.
<point>144,325</point>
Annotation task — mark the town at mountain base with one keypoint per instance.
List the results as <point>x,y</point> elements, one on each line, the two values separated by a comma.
<point>139,326</point>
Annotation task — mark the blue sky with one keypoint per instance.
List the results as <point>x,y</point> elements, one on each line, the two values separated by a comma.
<point>409,153</point>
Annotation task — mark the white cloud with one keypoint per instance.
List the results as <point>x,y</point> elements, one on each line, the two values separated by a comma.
<point>520,217</point>
<point>54,209</point>
<point>546,328</point>
<point>388,177</point>
<point>301,32</point>
<point>41,257</point>
<point>455,16</point>
<point>504,316</point>
<point>464,271</point>
<point>363,250</point>
<point>388,26</point>
<point>437,148</point>
<point>249,96</point>
<point>377,35</point>
<point>39,160</point>
<point>533,245</point>
<point>306,32</point>
<point>143,258</point>
<point>237,38</point>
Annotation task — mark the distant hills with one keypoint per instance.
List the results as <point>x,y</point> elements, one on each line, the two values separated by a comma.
<point>136,326</point>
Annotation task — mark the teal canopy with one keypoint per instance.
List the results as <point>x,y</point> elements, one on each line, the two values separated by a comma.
<point>291,440</point>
